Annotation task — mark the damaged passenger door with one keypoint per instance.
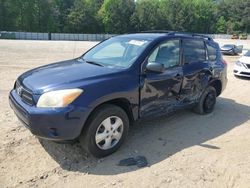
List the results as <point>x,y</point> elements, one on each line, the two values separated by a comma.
<point>161,79</point>
<point>196,69</point>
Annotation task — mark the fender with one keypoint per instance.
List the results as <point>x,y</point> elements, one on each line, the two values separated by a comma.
<point>110,98</point>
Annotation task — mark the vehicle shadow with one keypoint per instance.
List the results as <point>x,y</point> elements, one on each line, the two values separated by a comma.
<point>156,139</point>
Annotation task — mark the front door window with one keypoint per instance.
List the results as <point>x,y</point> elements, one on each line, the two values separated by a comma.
<point>167,53</point>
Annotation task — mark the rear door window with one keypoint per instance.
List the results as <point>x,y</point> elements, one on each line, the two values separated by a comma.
<point>193,51</point>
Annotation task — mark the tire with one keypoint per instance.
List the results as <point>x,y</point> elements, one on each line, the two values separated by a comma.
<point>100,140</point>
<point>207,101</point>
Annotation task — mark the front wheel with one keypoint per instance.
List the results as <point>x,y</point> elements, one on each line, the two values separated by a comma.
<point>207,101</point>
<point>105,131</point>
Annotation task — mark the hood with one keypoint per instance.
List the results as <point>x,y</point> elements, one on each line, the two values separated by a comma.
<point>59,74</point>
<point>245,59</point>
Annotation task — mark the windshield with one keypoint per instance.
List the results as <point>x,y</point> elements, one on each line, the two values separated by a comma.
<point>116,52</point>
<point>247,54</point>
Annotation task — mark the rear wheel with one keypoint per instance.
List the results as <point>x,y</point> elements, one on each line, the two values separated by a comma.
<point>105,131</point>
<point>207,101</point>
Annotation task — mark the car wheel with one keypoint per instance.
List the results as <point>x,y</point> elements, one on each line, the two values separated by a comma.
<point>105,131</point>
<point>207,101</point>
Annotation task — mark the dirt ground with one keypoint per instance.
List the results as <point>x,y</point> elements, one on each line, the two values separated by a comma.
<point>183,150</point>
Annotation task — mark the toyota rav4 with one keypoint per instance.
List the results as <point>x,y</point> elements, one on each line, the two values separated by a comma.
<point>96,97</point>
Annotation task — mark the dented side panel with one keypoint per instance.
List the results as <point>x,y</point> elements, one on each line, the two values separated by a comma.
<point>196,78</point>
<point>160,92</point>
<point>163,93</point>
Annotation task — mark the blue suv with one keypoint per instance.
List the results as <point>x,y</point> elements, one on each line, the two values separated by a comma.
<point>96,97</point>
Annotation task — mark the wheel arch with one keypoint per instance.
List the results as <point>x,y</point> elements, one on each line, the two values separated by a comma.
<point>217,85</point>
<point>123,103</point>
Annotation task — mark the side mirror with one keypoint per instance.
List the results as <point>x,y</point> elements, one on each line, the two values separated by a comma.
<point>155,67</point>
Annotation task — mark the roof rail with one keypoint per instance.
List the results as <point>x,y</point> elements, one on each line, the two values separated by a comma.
<point>168,32</point>
<point>191,34</point>
<point>157,31</point>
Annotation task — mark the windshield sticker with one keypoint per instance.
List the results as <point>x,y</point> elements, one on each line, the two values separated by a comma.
<point>137,42</point>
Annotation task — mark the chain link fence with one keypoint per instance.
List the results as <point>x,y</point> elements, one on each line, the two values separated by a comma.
<point>73,37</point>
<point>53,36</point>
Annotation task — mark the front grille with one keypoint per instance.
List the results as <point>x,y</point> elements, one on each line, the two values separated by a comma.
<point>25,94</point>
<point>246,73</point>
<point>248,65</point>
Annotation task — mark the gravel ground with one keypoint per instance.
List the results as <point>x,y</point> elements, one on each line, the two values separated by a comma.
<point>183,150</point>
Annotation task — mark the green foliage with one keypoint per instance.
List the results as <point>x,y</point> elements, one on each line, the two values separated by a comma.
<point>203,18</point>
<point>115,15</point>
<point>60,12</point>
<point>121,16</point>
<point>221,25</point>
<point>83,16</point>
<point>236,14</point>
<point>147,16</point>
<point>7,19</point>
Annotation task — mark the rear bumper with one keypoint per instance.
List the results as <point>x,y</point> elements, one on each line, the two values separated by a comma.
<point>223,78</point>
<point>50,123</point>
<point>224,84</point>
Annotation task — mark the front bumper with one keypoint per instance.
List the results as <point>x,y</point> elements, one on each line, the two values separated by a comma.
<point>241,70</point>
<point>50,123</point>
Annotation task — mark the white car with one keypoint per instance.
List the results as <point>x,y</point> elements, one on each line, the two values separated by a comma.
<point>242,66</point>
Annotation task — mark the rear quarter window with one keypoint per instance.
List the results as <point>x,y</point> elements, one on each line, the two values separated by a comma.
<point>193,51</point>
<point>212,52</point>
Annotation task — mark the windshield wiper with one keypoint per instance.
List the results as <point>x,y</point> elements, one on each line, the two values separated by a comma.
<point>94,63</point>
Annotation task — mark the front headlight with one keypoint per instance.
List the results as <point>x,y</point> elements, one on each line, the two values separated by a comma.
<point>59,98</point>
<point>238,63</point>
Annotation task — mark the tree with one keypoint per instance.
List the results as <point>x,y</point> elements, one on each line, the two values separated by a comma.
<point>115,15</point>
<point>83,16</point>
<point>203,15</point>
<point>122,16</point>
<point>7,15</point>
<point>43,16</point>
<point>148,16</point>
<point>60,12</point>
<point>221,25</point>
<point>24,14</point>
<point>236,14</point>
<point>245,20</point>
<point>77,16</point>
